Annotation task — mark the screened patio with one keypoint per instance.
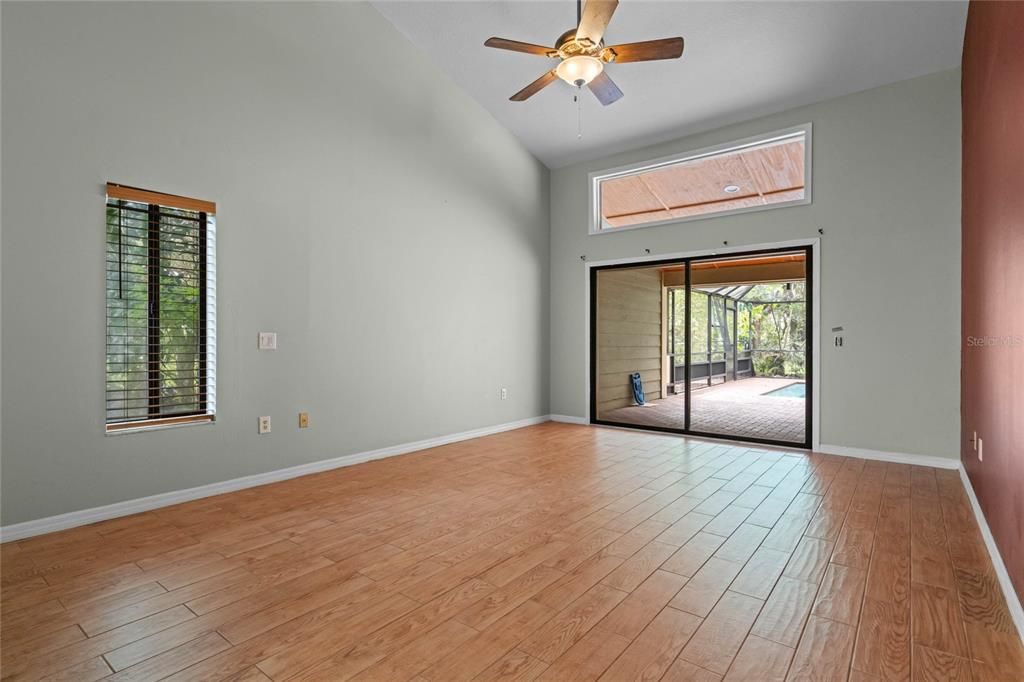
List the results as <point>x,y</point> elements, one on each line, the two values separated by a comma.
<point>741,409</point>
<point>737,332</point>
<point>747,353</point>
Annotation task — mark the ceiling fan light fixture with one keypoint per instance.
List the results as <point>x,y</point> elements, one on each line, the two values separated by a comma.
<point>584,54</point>
<point>579,70</point>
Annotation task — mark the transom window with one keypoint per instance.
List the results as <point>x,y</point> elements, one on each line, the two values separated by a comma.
<point>770,171</point>
<point>161,309</point>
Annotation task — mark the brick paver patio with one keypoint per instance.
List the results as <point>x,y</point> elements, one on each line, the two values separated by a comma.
<point>735,408</point>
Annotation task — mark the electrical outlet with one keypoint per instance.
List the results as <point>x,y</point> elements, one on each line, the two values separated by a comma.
<point>264,425</point>
<point>267,341</point>
<point>504,393</point>
<point>981,452</point>
<point>303,420</point>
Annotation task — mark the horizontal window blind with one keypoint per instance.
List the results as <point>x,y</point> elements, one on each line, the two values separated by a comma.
<point>160,351</point>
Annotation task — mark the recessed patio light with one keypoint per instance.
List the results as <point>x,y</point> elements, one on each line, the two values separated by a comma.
<point>731,189</point>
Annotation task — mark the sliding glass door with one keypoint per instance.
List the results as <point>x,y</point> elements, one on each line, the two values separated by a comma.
<point>716,346</point>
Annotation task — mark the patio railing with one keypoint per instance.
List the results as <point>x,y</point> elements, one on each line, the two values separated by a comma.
<point>710,365</point>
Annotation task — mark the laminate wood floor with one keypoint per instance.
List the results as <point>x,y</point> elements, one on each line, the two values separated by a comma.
<point>553,552</point>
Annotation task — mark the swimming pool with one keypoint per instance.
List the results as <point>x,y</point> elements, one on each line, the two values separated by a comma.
<point>798,390</point>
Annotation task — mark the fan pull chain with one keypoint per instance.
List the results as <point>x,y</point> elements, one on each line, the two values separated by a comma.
<point>579,112</point>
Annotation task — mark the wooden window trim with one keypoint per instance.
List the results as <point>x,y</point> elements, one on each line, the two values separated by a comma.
<point>145,196</point>
<point>166,421</point>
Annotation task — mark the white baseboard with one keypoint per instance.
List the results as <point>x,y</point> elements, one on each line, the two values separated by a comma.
<point>568,419</point>
<point>1012,601</point>
<point>50,524</point>
<point>17,531</point>
<point>883,456</point>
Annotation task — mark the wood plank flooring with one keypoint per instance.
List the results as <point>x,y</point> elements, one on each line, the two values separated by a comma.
<point>553,552</point>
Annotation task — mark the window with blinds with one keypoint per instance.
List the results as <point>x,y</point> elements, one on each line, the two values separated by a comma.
<point>161,309</point>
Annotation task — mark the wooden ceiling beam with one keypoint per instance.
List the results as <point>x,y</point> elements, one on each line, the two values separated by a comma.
<point>727,200</point>
<point>755,273</point>
<point>693,187</point>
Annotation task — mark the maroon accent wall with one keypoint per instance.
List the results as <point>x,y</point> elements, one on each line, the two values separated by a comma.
<point>992,367</point>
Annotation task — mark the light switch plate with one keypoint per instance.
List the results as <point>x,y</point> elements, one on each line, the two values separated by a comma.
<point>303,420</point>
<point>264,425</point>
<point>267,341</point>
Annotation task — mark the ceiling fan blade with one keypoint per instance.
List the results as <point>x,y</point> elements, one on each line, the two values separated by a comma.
<point>535,87</point>
<point>649,50</point>
<point>517,46</point>
<point>596,15</point>
<point>605,89</point>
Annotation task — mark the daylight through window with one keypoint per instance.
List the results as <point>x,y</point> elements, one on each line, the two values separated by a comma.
<point>161,309</point>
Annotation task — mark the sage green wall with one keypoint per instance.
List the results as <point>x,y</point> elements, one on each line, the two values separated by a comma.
<point>370,212</point>
<point>887,195</point>
<point>400,242</point>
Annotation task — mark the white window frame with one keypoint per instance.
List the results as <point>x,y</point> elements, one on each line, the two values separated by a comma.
<point>596,222</point>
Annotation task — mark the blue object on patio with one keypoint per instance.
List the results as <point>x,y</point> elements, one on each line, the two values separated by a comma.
<point>638,388</point>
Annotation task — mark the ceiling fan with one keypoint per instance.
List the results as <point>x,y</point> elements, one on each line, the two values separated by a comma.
<point>583,53</point>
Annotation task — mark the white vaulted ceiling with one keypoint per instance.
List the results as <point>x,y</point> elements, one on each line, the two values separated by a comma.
<point>742,60</point>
